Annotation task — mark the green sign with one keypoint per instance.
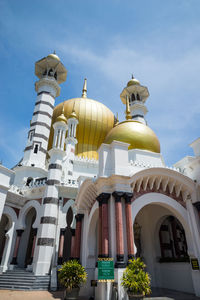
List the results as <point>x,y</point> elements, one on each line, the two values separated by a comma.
<point>105,269</point>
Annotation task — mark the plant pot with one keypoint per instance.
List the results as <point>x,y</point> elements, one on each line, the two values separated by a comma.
<point>73,294</point>
<point>132,296</point>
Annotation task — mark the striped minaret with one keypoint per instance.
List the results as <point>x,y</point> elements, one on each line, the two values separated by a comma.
<point>51,73</point>
<point>48,223</point>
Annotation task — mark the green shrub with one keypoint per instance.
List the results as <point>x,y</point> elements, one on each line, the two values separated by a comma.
<point>135,279</point>
<point>72,274</point>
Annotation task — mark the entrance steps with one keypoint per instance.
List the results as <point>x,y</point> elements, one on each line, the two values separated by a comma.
<point>20,279</point>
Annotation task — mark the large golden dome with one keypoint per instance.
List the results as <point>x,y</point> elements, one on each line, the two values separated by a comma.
<point>95,121</point>
<point>138,135</point>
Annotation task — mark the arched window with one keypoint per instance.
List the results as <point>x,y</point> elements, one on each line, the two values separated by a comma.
<point>29,180</point>
<point>133,97</point>
<point>138,97</point>
<point>173,243</point>
<point>50,73</point>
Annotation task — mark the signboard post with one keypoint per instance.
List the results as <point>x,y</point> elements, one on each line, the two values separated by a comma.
<point>105,270</point>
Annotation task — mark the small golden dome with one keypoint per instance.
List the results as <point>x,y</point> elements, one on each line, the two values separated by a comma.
<point>138,135</point>
<point>95,121</point>
<point>54,56</point>
<point>133,81</point>
<point>61,118</point>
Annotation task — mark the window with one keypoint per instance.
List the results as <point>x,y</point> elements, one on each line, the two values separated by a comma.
<point>133,97</point>
<point>36,148</point>
<point>138,97</point>
<point>31,134</point>
<point>173,243</point>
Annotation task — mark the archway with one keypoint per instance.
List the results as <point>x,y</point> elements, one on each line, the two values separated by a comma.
<point>4,227</point>
<point>151,212</point>
<point>26,244</point>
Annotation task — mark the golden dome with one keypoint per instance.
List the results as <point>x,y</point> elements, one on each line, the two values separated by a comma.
<point>95,121</point>
<point>61,118</point>
<point>133,81</point>
<point>54,56</point>
<point>138,135</point>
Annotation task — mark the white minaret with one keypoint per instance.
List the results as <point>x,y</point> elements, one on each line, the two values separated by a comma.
<point>51,73</point>
<point>47,229</point>
<point>136,95</point>
<point>71,142</point>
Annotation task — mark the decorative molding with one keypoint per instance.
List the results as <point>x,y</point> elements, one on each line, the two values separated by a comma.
<point>52,182</point>
<point>40,124</point>
<point>55,166</point>
<point>79,217</point>
<point>50,200</point>
<point>45,242</point>
<point>44,102</point>
<point>48,220</point>
<point>42,136</point>
<point>117,196</point>
<point>40,112</point>
<point>103,198</point>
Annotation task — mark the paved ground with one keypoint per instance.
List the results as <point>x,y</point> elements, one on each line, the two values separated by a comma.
<point>158,294</point>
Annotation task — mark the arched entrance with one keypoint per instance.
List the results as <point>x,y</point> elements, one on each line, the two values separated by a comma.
<point>162,235</point>
<point>26,244</point>
<point>4,227</point>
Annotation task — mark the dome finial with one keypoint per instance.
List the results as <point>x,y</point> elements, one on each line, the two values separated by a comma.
<point>84,91</point>
<point>61,117</point>
<point>116,122</point>
<point>132,77</point>
<point>128,113</point>
<point>73,113</point>
<point>54,52</point>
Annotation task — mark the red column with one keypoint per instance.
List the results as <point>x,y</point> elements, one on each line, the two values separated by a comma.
<point>105,226</point>
<point>72,244</point>
<point>17,242</point>
<point>129,225</point>
<point>119,230</point>
<point>100,229</point>
<point>61,245</point>
<point>33,246</point>
<point>78,236</point>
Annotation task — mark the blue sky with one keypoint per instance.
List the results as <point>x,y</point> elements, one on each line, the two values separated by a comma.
<point>105,41</point>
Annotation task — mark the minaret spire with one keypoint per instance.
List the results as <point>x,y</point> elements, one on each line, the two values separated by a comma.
<point>128,113</point>
<point>84,91</point>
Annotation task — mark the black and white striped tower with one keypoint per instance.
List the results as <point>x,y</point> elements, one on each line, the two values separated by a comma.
<point>51,73</point>
<point>47,230</point>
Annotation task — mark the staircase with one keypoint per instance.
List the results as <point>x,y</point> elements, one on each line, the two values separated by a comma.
<point>20,279</point>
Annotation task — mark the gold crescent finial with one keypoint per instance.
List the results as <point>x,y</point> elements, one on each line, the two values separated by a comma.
<point>84,91</point>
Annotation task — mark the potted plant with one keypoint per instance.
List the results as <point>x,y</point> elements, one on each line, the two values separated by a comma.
<point>72,274</point>
<point>135,280</point>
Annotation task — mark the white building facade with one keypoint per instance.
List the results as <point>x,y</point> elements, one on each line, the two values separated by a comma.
<point>89,187</point>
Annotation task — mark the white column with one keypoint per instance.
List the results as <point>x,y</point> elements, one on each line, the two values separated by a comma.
<point>194,228</point>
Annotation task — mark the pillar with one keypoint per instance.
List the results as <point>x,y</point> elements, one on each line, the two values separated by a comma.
<point>100,229</point>
<point>77,246</point>
<point>129,225</point>
<point>33,246</point>
<point>61,245</point>
<point>104,231</point>
<point>72,243</point>
<point>119,230</point>
<point>17,243</point>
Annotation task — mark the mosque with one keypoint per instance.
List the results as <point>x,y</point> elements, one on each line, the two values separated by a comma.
<point>89,187</point>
